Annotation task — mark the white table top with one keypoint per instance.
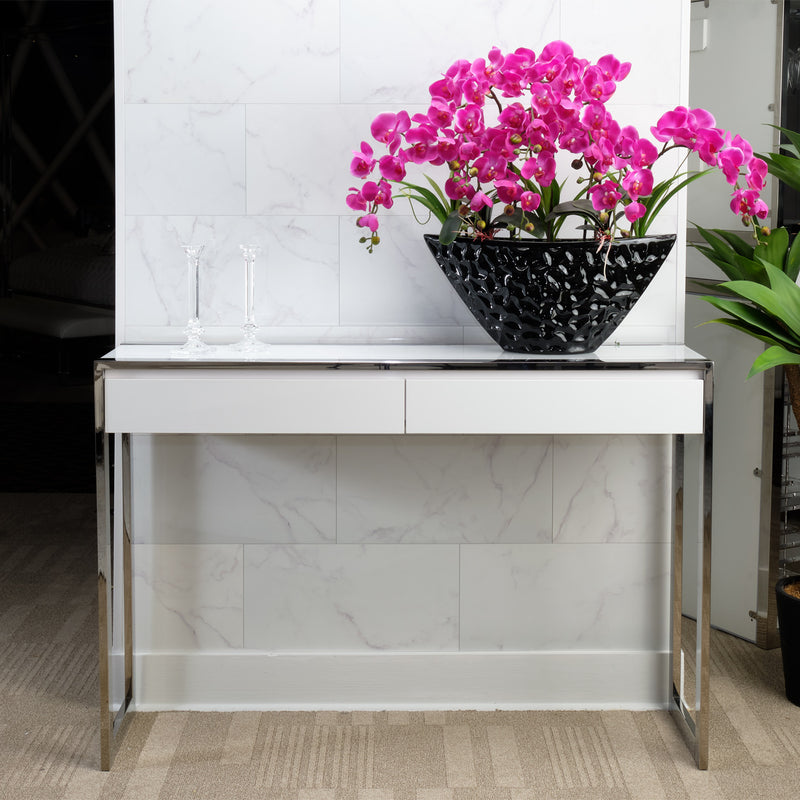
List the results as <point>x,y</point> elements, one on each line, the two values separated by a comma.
<point>399,355</point>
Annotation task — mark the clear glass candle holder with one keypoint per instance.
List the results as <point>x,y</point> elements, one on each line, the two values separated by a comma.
<point>249,343</point>
<point>194,345</point>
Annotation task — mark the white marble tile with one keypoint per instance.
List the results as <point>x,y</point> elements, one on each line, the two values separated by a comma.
<point>426,38</point>
<point>655,76</point>
<point>236,51</point>
<point>389,334</point>
<point>293,169</point>
<point>184,159</point>
<point>421,489</point>
<point>225,489</point>
<point>296,280</point>
<point>611,488</point>
<point>565,597</point>
<point>399,282</point>
<point>351,597</point>
<point>187,597</point>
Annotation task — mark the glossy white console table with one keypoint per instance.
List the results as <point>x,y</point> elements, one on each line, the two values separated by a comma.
<point>394,389</point>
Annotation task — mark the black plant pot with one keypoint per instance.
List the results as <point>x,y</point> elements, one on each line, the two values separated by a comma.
<point>789,624</point>
<point>533,296</point>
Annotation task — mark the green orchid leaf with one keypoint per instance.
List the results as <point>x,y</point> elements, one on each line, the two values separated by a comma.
<point>450,228</point>
<point>426,198</point>
<point>445,201</point>
<point>661,195</point>
<point>575,207</point>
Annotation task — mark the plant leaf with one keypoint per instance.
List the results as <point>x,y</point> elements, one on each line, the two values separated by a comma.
<point>774,356</point>
<point>450,228</point>
<point>792,264</point>
<point>754,321</point>
<point>735,241</point>
<point>769,301</point>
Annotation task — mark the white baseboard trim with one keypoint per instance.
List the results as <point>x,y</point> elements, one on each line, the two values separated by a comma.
<point>347,681</point>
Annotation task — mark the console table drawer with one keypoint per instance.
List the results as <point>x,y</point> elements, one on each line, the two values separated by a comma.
<point>218,401</point>
<point>557,402</point>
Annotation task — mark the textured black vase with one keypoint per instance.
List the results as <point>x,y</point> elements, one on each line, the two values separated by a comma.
<point>533,296</point>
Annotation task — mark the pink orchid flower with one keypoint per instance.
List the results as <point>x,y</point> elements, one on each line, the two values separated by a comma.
<point>638,183</point>
<point>392,168</point>
<point>363,163</point>
<point>499,122</point>
<point>368,221</point>
<point>730,161</point>
<point>605,195</point>
<point>634,211</point>
<point>479,200</point>
<point>530,201</point>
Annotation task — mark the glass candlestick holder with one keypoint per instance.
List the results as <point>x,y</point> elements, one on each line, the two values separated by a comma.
<point>249,343</point>
<point>194,345</point>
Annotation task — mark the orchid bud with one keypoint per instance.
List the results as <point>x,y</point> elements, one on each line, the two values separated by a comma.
<point>577,163</point>
<point>508,210</point>
<point>480,224</point>
<point>463,211</point>
<point>603,218</point>
<point>375,239</point>
<point>454,165</point>
<point>473,172</point>
<point>765,230</point>
<point>746,219</point>
<point>515,139</point>
<point>537,148</point>
<point>529,227</point>
<point>597,176</point>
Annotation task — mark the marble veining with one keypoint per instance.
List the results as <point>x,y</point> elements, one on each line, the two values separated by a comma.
<point>422,489</point>
<point>187,597</point>
<point>351,598</point>
<point>400,283</point>
<point>612,489</point>
<point>222,489</point>
<point>184,159</point>
<point>565,597</point>
<point>378,68</point>
<point>236,51</point>
<point>298,258</point>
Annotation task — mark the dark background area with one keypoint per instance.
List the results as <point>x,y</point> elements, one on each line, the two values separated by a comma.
<point>56,188</point>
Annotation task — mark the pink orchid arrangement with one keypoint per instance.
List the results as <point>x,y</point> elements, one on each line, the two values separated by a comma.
<point>498,124</point>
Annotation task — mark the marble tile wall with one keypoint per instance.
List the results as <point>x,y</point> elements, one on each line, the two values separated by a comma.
<point>416,543</point>
<point>235,124</point>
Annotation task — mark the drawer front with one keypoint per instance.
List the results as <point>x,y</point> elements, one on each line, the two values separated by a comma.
<point>259,403</point>
<point>603,402</point>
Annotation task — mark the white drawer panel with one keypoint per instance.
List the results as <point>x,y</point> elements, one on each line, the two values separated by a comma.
<point>556,402</point>
<point>219,401</point>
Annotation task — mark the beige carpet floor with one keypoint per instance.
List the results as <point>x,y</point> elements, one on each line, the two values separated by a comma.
<point>48,715</point>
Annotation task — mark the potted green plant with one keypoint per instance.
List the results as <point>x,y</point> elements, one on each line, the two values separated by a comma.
<point>761,298</point>
<point>500,131</point>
